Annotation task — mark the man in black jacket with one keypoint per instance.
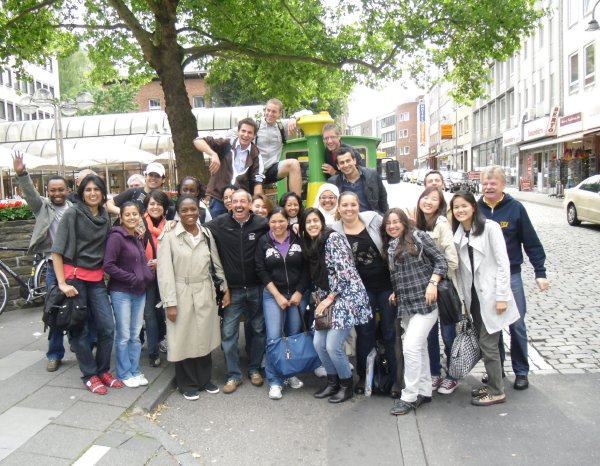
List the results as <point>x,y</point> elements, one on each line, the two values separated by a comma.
<point>236,234</point>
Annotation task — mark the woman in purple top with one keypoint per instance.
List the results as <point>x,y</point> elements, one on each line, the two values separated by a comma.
<point>125,261</point>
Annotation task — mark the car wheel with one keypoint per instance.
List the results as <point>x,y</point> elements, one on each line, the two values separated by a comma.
<point>572,215</point>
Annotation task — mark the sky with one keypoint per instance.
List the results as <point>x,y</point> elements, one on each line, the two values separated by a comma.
<point>365,103</point>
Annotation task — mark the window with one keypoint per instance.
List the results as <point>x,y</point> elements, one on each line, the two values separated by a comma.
<point>511,103</point>
<point>2,110</point>
<point>501,72</point>
<point>389,136</point>
<point>542,90</point>
<point>533,94</point>
<point>589,65</point>
<point>404,116</point>
<point>10,112</point>
<point>460,128</point>
<point>18,114</point>
<point>402,134</point>
<point>551,86</point>
<point>484,119</point>
<point>405,150</point>
<point>198,101</point>
<point>37,85</point>
<point>502,105</point>
<point>492,115</point>
<point>153,104</point>
<point>388,121</point>
<point>476,122</point>
<point>574,73</point>
<point>572,13</point>
<point>466,124</point>
<point>511,66</point>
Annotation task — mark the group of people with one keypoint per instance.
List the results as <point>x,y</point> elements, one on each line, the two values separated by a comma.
<point>376,268</point>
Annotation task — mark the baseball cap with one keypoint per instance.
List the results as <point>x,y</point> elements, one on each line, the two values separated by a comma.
<point>155,167</point>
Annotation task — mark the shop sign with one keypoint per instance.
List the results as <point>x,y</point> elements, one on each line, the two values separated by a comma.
<point>553,121</point>
<point>511,137</point>
<point>535,129</point>
<point>447,130</point>
<point>570,124</point>
<point>422,127</point>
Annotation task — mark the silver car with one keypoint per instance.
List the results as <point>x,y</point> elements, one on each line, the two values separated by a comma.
<point>582,202</point>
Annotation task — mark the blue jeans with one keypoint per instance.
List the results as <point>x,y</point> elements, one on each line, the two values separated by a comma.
<point>292,324</point>
<point>433,347</point>
<point>243,301</point>
<point>330,348</point>
<point>518,331</point>
<point>129,312</point>
<point>100,311</point>
<point>56,348</point>
<point>154,318</point>
<point>380,300</point>
<point>216,207</point>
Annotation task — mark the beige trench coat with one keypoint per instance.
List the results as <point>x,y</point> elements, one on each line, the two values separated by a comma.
<point>184,281</point>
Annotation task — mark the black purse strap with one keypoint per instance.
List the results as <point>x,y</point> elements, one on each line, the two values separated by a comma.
<point>207,238</point>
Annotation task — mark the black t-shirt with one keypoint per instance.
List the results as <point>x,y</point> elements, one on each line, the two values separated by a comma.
<point>369,263</point>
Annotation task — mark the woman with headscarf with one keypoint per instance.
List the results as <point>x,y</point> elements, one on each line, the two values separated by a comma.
<point>326,201</point>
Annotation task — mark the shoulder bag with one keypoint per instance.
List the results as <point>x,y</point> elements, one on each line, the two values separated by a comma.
<point>448,301</point>
<point>322,321</point>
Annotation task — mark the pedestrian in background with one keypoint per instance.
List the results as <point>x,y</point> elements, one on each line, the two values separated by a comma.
<point>484,279</point>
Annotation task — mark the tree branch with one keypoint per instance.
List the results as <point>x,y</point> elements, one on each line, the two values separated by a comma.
<point>92,27</point>
<point>32,9</point>
<point>143,37</point>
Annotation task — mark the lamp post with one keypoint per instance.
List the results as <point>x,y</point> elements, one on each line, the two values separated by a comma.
<point>593,24</point>
<point>43,98</point>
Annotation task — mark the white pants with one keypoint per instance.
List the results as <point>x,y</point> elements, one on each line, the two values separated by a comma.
<point>417,378</point>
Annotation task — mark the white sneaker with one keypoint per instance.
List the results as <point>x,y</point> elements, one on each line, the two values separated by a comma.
<point>351,366</point>
<point>131,382</point>
<point>275,392</point>
<point>143,381</point>
<point>320,372</point>
<point>294,382</point>
<point>163,346</point>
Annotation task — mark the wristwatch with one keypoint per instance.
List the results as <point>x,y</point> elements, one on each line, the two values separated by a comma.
<point>434,282</point>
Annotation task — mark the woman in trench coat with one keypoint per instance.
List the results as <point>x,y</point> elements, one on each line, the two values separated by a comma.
<point>484,278</point>
<point>188,295</point>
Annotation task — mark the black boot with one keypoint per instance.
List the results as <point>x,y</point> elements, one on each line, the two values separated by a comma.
<point>344,393</point>
<point>332,387</point>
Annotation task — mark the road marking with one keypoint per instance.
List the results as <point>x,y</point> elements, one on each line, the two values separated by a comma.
<point>92,455</point>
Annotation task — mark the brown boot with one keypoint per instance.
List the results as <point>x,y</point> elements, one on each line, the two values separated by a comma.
<point>344,393</point>
<point>332,387</point>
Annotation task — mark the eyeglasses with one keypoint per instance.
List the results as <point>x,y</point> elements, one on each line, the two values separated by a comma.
<point>328,198</point>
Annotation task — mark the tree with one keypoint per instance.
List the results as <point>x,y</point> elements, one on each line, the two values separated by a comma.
<point>364,41</point>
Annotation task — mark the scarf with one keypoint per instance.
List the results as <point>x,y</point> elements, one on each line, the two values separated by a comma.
<point>318,267</point>
<point>151,235</point>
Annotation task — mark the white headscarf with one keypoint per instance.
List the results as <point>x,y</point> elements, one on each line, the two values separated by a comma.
<point>328,214</point>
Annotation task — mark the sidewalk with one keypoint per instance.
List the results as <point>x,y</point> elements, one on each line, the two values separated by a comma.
<point>52,419</point>
<point>535,197</point>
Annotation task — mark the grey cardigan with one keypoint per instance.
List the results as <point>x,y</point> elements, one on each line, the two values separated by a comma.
<point>372,221</point>
<point>44,212</point>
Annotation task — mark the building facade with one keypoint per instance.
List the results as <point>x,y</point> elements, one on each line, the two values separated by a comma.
<point>151,96</point>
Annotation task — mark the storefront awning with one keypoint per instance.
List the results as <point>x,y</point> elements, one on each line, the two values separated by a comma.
<point>552,141</point>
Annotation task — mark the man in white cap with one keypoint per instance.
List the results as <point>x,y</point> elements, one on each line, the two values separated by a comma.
<point>154,177</point>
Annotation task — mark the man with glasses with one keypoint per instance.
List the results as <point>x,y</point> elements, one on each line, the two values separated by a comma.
<point>333,143</point>
<point>364,182</point>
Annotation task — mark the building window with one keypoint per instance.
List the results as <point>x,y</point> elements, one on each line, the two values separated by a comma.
<point>572,13</point>
<point>574,73</point>
<point>476,124</point>
<point>502,105</point>
<point>589,64</point>
<point>466,124</point>
<point>460,128</point>
<point>405,150</point>
<point>405,116</point>
<point>533,95</point>
<point>2,110</point>
<point>501,72</point>
<point>389,136</point>
<point>484,119</point>
<point>511,103</point>
<point>10,112</point>
<point>198,101</point>
<point>403,133</point>
<point>153,104</point>
<point>542,90</point>
<point>387,121</point>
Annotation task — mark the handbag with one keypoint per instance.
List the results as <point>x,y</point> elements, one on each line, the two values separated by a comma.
<point>294,354</point>
<point>448,301</point>
<point>322,321</point>
<point>64,314</point>
<point>465,351</point>
<point>217,282</point>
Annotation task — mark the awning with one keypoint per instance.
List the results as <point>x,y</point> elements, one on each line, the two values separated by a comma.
<point>552,141</point>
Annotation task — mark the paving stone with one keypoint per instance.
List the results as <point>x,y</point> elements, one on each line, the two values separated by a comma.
<point>20,458</point>
<point>55,397</point>
<point>113,439</point>
<point>17,361</point>
<point>75,442</point>
<point>117,456</point>
<point>162,458</point>
<point>146,445</point>
<point>84,414</point>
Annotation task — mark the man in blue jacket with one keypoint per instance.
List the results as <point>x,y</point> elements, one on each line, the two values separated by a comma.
<point>519,234</point>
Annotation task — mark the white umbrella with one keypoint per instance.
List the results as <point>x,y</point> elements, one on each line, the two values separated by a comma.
<point>31,161</point>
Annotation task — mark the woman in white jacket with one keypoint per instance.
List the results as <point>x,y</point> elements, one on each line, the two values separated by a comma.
<point>484,279</point>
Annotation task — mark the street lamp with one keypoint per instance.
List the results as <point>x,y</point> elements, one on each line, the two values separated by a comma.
<point>43,98</point>
<point>593,24</point>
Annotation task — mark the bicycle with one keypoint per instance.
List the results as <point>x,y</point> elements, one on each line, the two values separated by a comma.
<point>31,289</point>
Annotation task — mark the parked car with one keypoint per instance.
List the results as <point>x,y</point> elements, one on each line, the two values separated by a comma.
<point>582,202</point>
<point>458,181</point>
<point>406,176</point>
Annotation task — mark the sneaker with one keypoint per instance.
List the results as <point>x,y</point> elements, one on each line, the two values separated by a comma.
<point>256,379</point>
<point>131,382</point>
<point>95,385</point>
<point>211,388</point>
<point>488,399</point>
<point>293,382</point>
<point>448,386</point>
<point>479,392</point>
<point>275,392</point>
<point>402,407</point>
<point>191,395</point>
<point>422,399</point>
<point>155,360</point>
<point>143,381</point>
<point>162,346</point>
<point>436,381</point>
<point>53,365</point>
<point>320,372</point>
<point>110,381</point>
<point>231,386</point>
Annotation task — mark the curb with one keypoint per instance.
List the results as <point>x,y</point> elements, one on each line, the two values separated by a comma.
<point>157,392</point>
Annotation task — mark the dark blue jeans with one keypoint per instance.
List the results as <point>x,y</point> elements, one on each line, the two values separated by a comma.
<point>154,318</point>
<point>380,300</point>
<point>100,311</point>
<point>433,346</point>
<point>518,331</point>
<point>245,301</point>
<point>56,348</point>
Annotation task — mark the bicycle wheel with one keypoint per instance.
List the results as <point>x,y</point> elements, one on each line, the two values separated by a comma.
<point>3,291</point>
<point>39,276</point>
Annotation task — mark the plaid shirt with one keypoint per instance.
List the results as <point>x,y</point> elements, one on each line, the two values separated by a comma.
<point>411,274</point>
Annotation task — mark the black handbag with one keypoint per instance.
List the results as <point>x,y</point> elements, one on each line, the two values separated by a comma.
<point>448,302</point>
<point>64,314</point>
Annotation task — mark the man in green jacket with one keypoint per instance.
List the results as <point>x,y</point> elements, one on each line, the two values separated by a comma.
<point>48,212</point>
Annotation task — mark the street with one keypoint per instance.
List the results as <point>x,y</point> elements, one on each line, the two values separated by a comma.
<point>554,422</point>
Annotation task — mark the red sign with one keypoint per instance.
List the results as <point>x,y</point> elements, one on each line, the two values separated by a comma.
<point>525,184</point>
<point>570,119</point>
